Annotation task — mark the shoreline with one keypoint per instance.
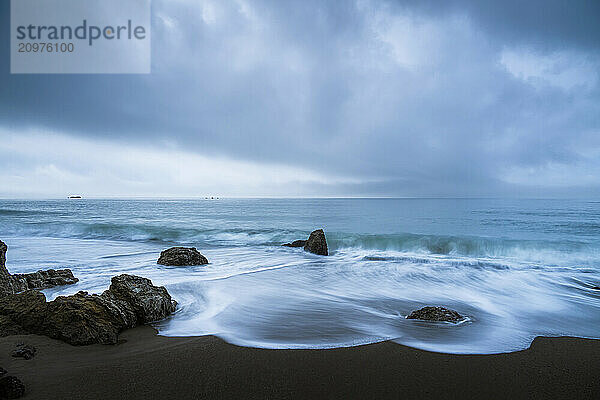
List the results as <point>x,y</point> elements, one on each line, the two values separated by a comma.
<point>147,366</point>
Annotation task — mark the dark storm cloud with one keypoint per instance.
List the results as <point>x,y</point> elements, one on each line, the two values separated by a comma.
<point>546,24</point>
<point>413,98</point>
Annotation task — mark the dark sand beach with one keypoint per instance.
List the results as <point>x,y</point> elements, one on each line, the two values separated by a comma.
<point>147,366</point>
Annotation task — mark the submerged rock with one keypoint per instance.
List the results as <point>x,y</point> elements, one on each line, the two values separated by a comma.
<point>178,256</point>
<point>436,314</point>
<point>295,243</point>
<point>82,318</point>
<point>24,351</point>
<point>16,283</point>
<point>11,388</point>
<point>317,243</point>
<point>2,372</point>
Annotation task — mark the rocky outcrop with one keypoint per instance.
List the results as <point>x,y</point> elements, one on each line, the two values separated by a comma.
<point>3,248</point>
<point>317,243</point>
<point>178,256</point>
<point>45,279</point>
<point>9,328</point>
<point>6,282</point>
<point>82,318</point>
<point>295,243</point>
<point>436,314</point>
<point>149,303</point>
<point>16,283</point>
<point>11,388</point>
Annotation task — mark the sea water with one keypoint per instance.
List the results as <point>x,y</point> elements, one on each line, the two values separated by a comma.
<point>515,268</point>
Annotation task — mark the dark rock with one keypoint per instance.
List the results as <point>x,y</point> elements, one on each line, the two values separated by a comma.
<point>46,279</point>
<point>8,327</point>
<point>3,248</point>
<point>6,281</point>
<point>83,319</point>
<point>24,351</point>
<point>317,243</point>
<point>436,314</point>
<point>178,256</point>
<point>19,312</point>
<point>295,243</point>
<point>11,388</point>
<point>149,303</point>
<point>10,284</point>
<point>2,372</point>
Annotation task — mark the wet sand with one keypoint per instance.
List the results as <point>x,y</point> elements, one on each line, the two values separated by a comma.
<point>147,366</point>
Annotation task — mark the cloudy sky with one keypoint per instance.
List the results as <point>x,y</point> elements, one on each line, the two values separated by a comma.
<point>322,98</point>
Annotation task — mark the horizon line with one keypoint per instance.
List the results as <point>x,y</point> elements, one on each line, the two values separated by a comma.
<point>212,197</point>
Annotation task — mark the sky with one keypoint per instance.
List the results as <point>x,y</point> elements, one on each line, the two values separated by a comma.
<point>321,99</point>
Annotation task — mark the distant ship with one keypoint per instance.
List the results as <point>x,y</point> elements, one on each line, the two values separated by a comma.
<point>75,196</point>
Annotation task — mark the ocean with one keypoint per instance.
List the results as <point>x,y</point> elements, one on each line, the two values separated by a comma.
<point>516,268</point>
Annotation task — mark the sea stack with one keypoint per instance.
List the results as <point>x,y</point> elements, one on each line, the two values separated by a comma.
<point>5,278</point>
<point>317,243</point>
<point>179,256</point>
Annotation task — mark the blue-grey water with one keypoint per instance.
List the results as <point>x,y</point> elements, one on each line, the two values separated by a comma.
<point>516,268</point>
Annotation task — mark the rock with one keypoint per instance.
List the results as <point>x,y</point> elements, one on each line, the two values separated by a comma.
<point>3,248</point>
<point>20,312</point>
<point>436,314</point>
<point>82,318</point>
<point>6,282</point>
<point>317,243</point>
<point>9,328</point>
<point>24,351</point>
<point>295,243</point>
<point>11,388</point>
<point>46,279</point>
<point>2,372</point>
<point>178,256</point>
<point>150,303</point>
<point>10,284</point>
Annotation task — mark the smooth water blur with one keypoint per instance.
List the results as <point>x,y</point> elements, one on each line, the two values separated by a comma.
<point>516,268</point>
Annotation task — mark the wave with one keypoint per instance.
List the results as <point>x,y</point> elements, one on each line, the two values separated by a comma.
<point>472,247</point>
<point>150,233</point>
<point>409,244</point>
<point>423,260</point>
<point>11,212</point>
